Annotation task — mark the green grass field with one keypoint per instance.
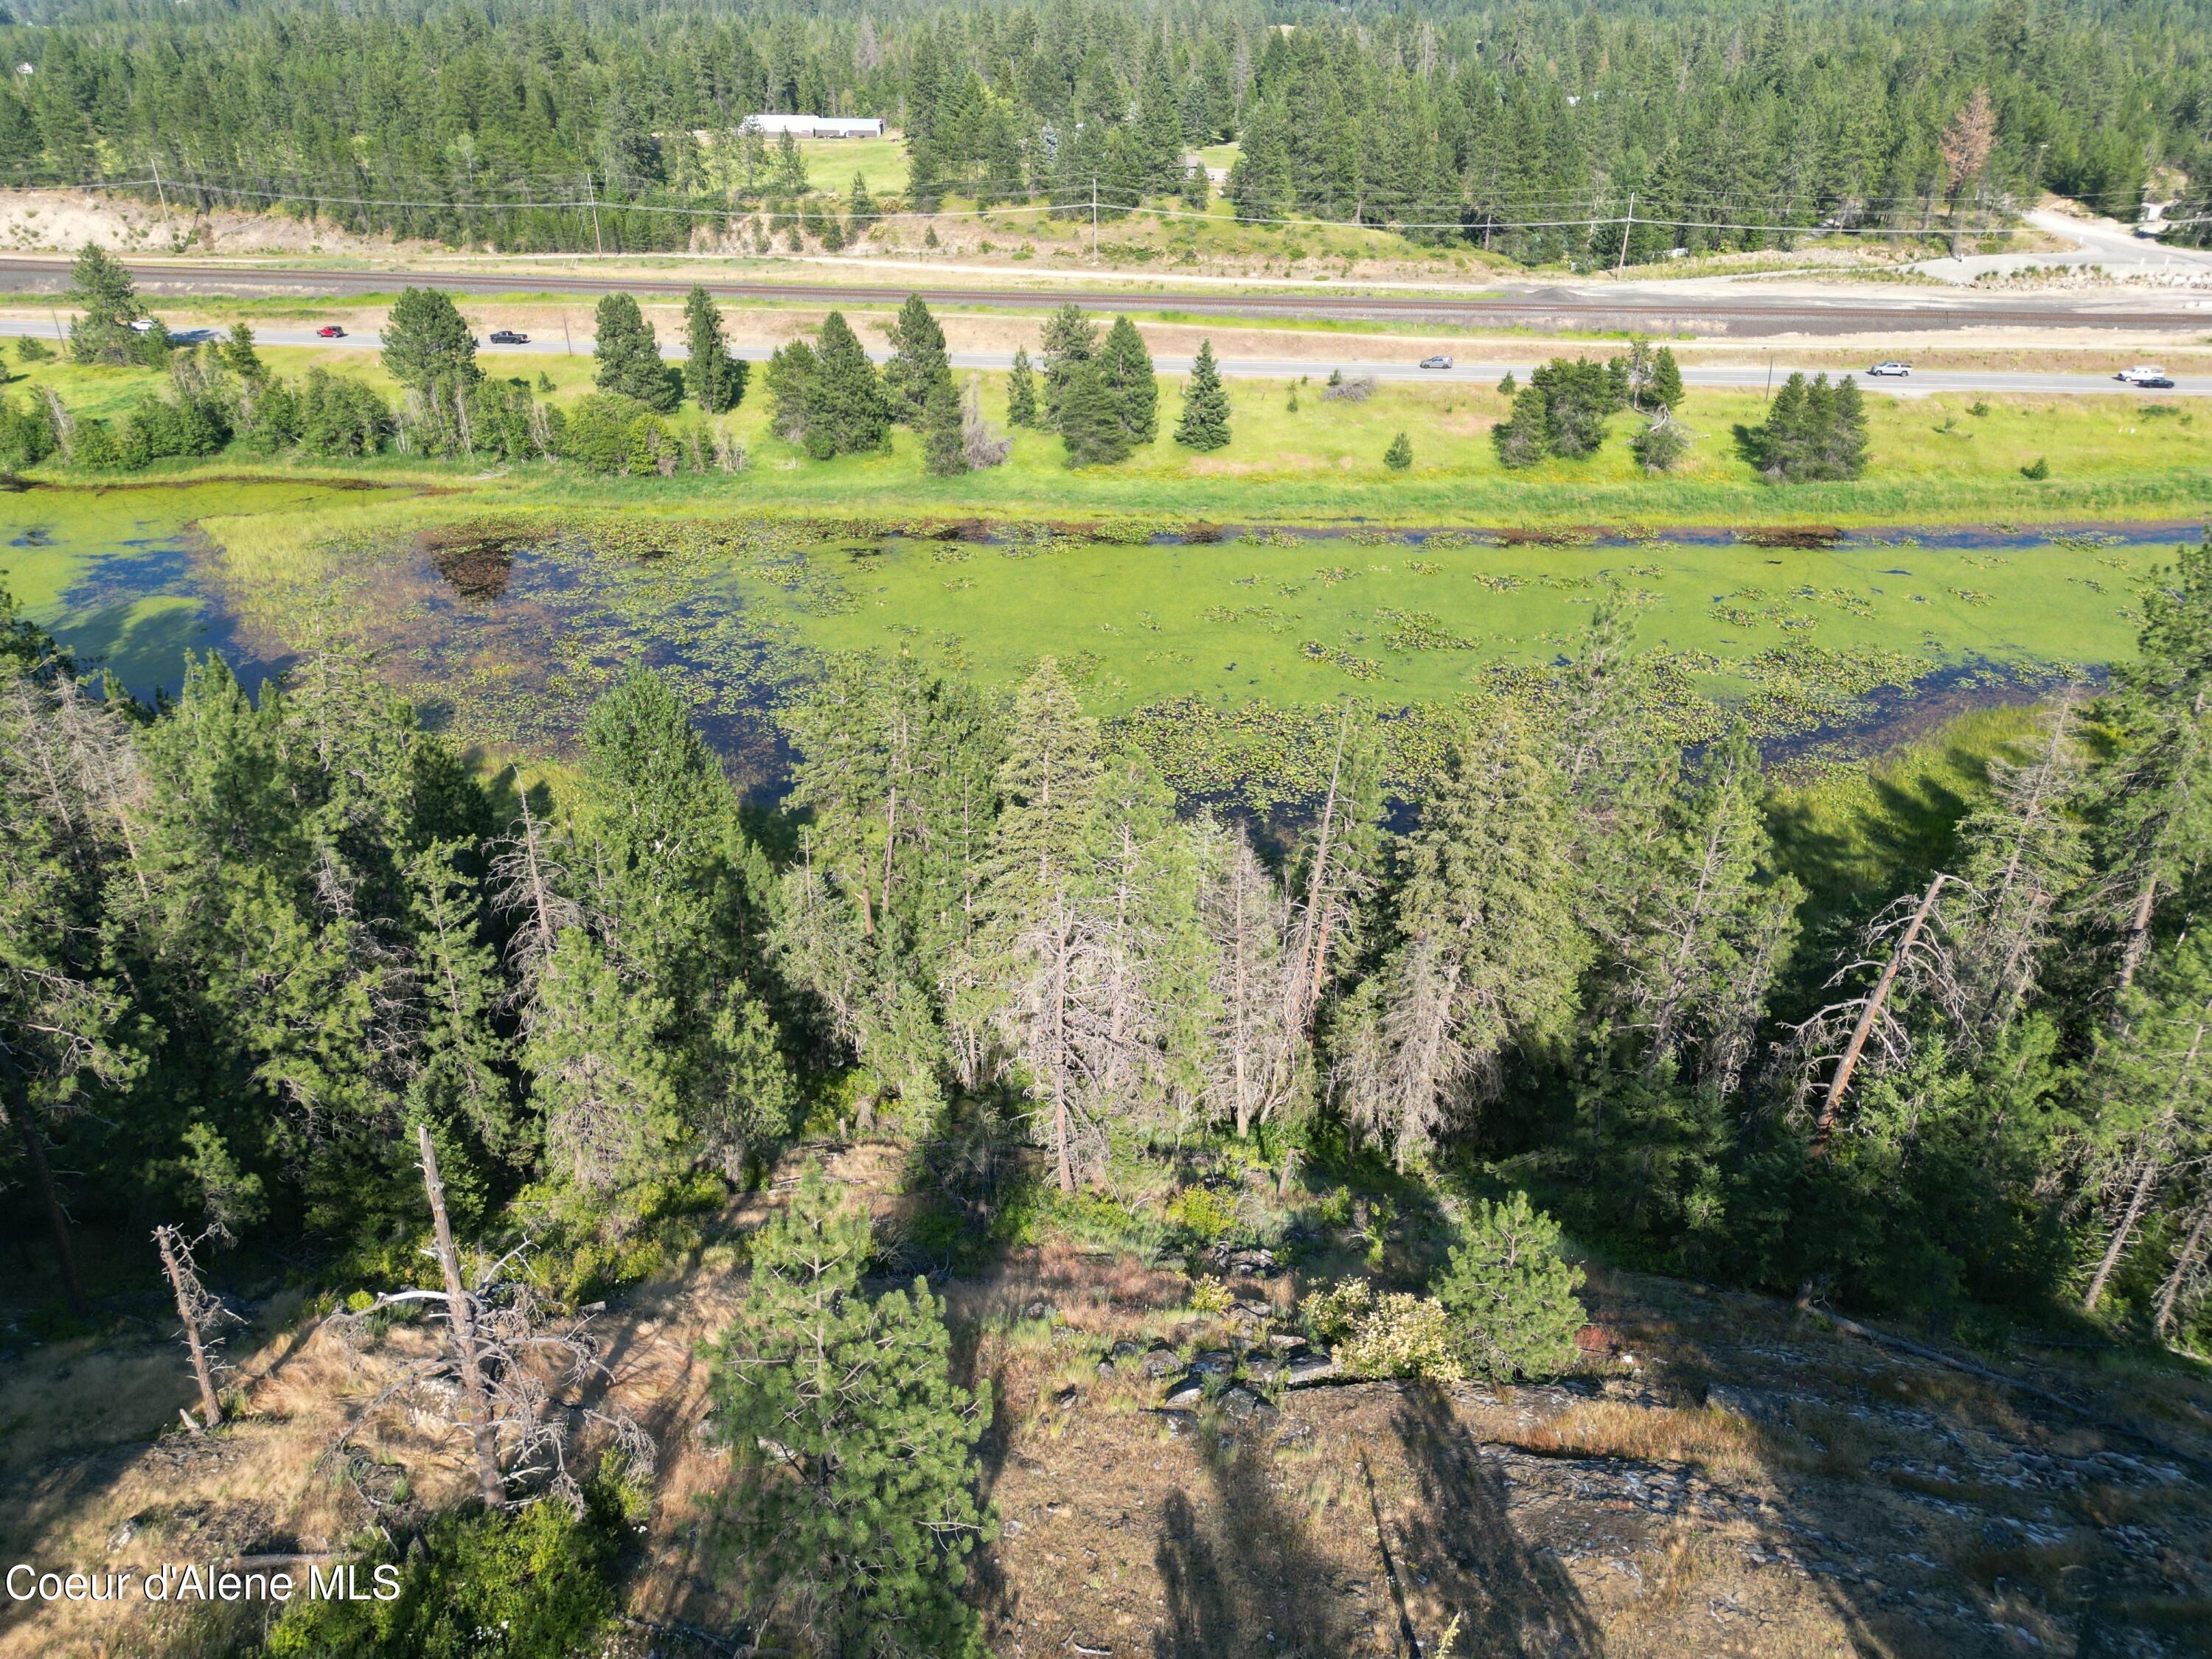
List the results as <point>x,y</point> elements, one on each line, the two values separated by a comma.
<point>1932,463</point>
<point>831,163</point>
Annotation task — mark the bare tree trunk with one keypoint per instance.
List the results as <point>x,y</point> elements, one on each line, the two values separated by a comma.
<point>476,1408</point>
<point>890,842</point>
<point>1313,936</point>
<point>2137,1201</point>
<point>2186,1265</point>
<point>210,1402</point>
<point>1238,1034</point>
<point>2138,934</point>
<point>1061,1126</point>
<point>42,1177</point>
<point>1869,1015</point>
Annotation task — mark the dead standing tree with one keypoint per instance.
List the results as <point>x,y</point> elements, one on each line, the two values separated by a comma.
<point>509,1363</point>
<point>1919,956</point>
<point>201,1314</point>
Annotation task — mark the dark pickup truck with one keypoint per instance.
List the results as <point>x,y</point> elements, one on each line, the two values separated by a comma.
<point>508,336</point>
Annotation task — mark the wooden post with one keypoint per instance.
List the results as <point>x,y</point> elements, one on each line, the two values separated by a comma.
<point>476,1408</point>
<point>1869,1015</point>
<point>210,1402</point>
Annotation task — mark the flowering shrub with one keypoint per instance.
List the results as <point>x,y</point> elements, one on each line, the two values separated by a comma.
<point>1393,1335</point>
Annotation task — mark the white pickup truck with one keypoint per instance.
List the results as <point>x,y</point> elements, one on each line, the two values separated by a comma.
<point>2141,372</point>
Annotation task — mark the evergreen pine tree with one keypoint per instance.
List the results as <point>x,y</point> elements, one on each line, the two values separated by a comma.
<point>1666,388</point>
<point>1400,455</point>
<point>790,165</point>
<point>1510,1293</point>
<point>1047,782</point>
<point>846,413</point>
<point>854,1482</point>
<point>1489,956</point>
<point>1090,419</point>
<point>861,204</point>
<point>240,357</point>
<point>1777,445</point>
<point>1259,179</point>
<point>107,304</point>
<point>918,365</point>
<point>715,380</point>
<point>1021,391</point>
<point>458,1080</point>
<point>1127,369</point>
<point>1205,423</point>
<point>1705,924</point>
<point>790,379</point>
<point>627,356</point>
<point>426,343</point>
<point>2021,865</point>
<point>1070,340</point>
<point>942,451</point>
<point>677,889</point>
<point>2150,1085</point>
<point>1844,451</point>
<point>1524,437</point>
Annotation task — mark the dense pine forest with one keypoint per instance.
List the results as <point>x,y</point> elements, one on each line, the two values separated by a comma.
<point>1526,131</point>
<point>250,943</point>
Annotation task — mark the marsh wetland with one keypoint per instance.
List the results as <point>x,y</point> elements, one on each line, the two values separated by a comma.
<point>1221,647</point>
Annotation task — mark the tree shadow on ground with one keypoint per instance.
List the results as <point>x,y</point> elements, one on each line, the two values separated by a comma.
<point>1243,1579</point>
<point>1512,1599</point>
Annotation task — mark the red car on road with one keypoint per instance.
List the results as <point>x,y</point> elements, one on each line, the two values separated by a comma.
<point>329,331</point>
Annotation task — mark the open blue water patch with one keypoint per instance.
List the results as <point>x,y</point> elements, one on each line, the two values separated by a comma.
<point>114,617</point>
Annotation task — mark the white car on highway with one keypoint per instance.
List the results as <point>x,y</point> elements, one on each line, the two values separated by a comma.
<point>2142,374</point>
<point>1891,369</point>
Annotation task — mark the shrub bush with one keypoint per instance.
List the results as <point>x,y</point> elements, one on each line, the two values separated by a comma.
<point>1393,1335</point>
<point>1208,1295</point>
<point>26,434</point>
<point>531,1585</point>
<point>1661,445</point>
<point>600,433</point>
<point>1207,1215</point>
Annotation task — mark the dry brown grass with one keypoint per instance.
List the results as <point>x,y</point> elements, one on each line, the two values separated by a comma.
<point>1723,1446</point>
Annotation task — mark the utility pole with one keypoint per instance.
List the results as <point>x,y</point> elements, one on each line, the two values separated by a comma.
<point>1627,230</point>
<point>568,345</point>
<point>1094,216</point>
<point>158,191</point>
<point>592,201</point>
